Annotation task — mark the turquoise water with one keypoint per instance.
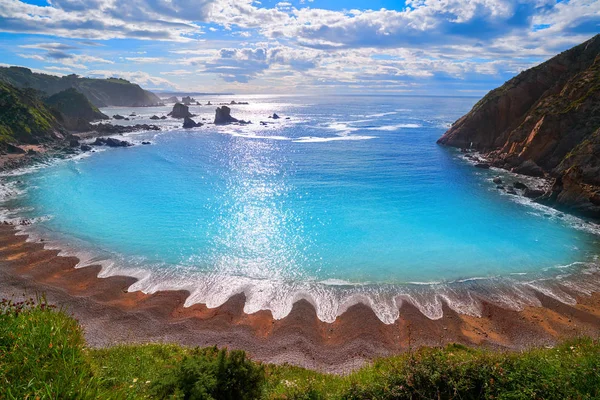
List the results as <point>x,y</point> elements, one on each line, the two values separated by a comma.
<point>348,200</point>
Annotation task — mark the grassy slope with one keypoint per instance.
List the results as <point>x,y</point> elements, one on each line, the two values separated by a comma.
<point>23,117</point>
<point>43,355</point>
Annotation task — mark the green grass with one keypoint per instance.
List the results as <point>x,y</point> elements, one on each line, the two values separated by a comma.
<point>43,355</point>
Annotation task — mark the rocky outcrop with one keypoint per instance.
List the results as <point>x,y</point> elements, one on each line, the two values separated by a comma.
<point>223,116</point>
<point>190,123</point>
<point>180,111</point>
<point>545,121</point>
<point>187,100</point>
<point>172,99</point>
<point>120,129</point>
<point>111,142</point>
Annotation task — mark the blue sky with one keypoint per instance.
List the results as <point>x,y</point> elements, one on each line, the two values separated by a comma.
<point>449,47</point>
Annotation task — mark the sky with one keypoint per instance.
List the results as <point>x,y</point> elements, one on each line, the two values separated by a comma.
<point>423,47</point>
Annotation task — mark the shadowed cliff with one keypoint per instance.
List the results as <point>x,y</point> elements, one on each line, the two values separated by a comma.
<point>546,120</point>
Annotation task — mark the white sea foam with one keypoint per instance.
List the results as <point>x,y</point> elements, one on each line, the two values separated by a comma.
<point>316,139</point>
<point>391,128</point>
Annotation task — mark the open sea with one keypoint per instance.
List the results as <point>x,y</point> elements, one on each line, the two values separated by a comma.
<point>349,200</point>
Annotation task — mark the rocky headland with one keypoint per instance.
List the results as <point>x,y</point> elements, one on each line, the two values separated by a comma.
<point>100,92</point>
<point>544,122</point>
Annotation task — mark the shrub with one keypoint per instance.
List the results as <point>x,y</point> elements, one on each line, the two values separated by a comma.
<point>213,374</point>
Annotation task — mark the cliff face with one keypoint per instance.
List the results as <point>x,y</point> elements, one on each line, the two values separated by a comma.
<point>100,92</point>
<point>76,111</point>
<point>25,119</point>
<point>547,116</point>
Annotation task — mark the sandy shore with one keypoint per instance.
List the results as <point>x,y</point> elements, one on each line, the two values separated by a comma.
<point>111,315</point>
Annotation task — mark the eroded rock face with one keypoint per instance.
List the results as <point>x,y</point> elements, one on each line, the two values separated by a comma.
<point>545,121</point>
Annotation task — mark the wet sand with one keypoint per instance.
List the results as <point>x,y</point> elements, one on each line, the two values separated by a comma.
<point>111,315</point>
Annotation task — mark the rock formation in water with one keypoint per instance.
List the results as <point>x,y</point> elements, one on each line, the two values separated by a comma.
<point>545,121</point>
<point>187,100</point>
<point>223,116</point>
<point>190,123</point>
<point>100,92</point>
<point>180,111</point>
<point>111,142</point>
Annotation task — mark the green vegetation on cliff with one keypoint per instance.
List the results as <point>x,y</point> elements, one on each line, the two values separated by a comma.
<point>43,355</point>
<point>24,118</point>
<point>100,92</point>
<point>75,109</point>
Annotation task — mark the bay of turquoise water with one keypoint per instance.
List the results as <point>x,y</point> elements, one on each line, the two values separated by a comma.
<point>351,196</point>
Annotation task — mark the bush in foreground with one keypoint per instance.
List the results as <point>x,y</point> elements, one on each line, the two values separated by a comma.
<point>213,374</point>
<point>43,355</point>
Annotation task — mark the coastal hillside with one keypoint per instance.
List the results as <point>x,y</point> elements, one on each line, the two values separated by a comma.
<point>25,119</point>
<point>100,92</point>
<point>545,121</point>
<point>75,109</point>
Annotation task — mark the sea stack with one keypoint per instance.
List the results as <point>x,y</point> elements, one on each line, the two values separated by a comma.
<point>180,111</point>
<point>546,120</point>
<point>223,116</point>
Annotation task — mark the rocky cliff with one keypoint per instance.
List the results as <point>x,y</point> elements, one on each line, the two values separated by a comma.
<point>546,120</point>
<point>100,92</point>
<point>25,119</point>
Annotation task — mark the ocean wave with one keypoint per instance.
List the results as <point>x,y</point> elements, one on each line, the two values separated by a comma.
<point>316,139</point>
<point>391,128</point>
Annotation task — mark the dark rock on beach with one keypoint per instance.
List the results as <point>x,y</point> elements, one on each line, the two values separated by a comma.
<point>533,193</point>
<point>544,122</point>
<point>118,116</point>
<point>154,117</point>
<point>520,185</point>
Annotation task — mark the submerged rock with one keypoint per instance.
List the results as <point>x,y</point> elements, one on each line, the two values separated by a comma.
<point>155,117</point>
<point>118,116</point>
<point>482,165</point>
<point>497,180</point>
